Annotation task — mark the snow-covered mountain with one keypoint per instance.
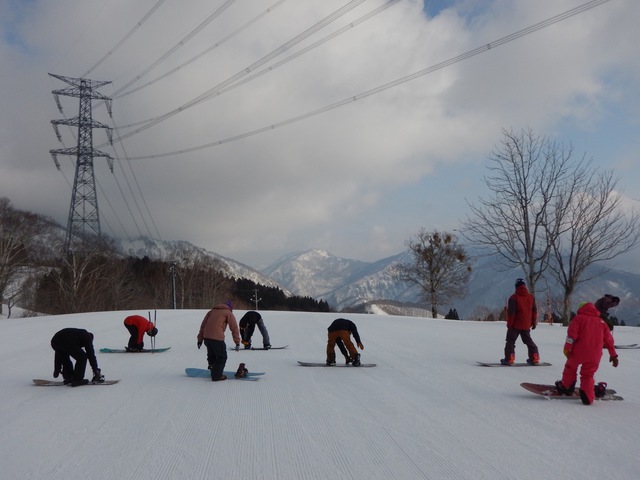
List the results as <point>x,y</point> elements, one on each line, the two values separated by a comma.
<point>168,250</point>
<point>344,283</point>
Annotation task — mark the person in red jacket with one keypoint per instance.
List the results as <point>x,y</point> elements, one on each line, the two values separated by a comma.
<point>138,326</point>
<point>211,333</point>
<point>522,317</point>
<point>586,335</point>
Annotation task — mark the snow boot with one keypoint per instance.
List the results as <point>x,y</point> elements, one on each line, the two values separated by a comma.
<point>562,390</point>
<point>508,361</point>
<point>242,372</point>
<point>600,389</point>
<point>78,383</point>
<point>266,346</point>
<point>356,360</point>
<point>584,398</point>
<point>219,379</point>
<point>534,360</point>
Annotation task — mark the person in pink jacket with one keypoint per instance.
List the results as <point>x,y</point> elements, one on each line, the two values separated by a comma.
<point>586,336</point>
<point>211,333</point>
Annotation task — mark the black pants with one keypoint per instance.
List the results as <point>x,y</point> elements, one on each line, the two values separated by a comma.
<point>133,339</point>
<point>216,356</point>
<point>510,342</point>
<point>64,352</point>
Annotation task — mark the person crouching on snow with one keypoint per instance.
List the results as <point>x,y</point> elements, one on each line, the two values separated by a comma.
<point>586,335</point>
<point>137,326</point>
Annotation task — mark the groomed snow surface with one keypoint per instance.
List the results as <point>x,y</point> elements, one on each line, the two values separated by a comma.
<point>425,412</point>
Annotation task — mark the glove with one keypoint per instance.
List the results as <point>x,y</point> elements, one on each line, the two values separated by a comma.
<point>534,325</point>
<point>56,373</point>
<point>237,347</point>
<point>97,376</point>
<point>360,346</point>
<point>199,344</point>
<point>567,352</point>
<point>614,360</point>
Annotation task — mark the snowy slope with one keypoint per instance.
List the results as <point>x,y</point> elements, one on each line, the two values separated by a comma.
<point>425,412</point>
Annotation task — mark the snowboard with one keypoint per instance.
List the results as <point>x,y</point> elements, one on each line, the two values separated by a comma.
<point>258,348</point>
<point>498,364</point>
<point>122,350</point>
<point>318,364</point>
<point>205,373</point>
<point>55,383</point>
<point>550,392</point>
<point>623,347</point>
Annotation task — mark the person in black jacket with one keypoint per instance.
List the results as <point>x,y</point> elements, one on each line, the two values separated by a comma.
<point>248,324</point>
<point>75,343</point>
<point>341,330</point>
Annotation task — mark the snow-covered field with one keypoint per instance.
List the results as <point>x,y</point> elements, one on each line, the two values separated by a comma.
<point>425,412</point>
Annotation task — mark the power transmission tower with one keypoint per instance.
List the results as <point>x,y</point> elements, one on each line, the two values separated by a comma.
<point>84,219</point>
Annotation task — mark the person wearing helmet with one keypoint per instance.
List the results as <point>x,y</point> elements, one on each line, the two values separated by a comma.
<point>137,326</point>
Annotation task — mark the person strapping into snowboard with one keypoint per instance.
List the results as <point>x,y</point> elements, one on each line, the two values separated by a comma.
<point>586,335</point>
<point>341,329</point>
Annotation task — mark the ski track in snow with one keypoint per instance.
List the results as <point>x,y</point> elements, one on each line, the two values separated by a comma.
<point>425,412</point>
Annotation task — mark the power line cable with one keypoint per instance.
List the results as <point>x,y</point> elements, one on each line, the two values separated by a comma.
<point>126,37</point>
<point>387,86</point>
<point>204,52</point>
<point>295,55</point>
<point>181,43</point>
<point>278,51</point>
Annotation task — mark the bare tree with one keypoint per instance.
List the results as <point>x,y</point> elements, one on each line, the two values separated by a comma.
<point>19,231</point>
<point>593,229</point>
<point>439,266</point>
<point>531,180</point>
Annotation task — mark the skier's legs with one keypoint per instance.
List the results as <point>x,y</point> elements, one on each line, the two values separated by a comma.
<point>216,356</point>
<point>133,336</point>
<point>510,342</point>
<point>345,336</point>
<point>81,363</point>
<point>532,348</point>
<point>264,332</point>
<point>331,346</point>
<point>342,348</point>
<point>569,374</point>
<point>587,371</point>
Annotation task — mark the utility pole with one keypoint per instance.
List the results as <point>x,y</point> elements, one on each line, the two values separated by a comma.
<point>84,219</point>
<point>255,297</point>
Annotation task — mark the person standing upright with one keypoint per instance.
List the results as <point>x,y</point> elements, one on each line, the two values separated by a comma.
<point>522,317</point>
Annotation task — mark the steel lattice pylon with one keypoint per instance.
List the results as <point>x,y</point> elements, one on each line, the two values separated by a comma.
<point>84,219</point>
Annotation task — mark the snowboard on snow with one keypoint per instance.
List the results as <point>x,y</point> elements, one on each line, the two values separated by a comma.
<point>205,373</point>
<point>54,383</point>
<point>258,348</point>
<point>550,392</point>
<point>623,347</point>
<point>122,350</point>
<point>318,364</point>
<point>498,364</point>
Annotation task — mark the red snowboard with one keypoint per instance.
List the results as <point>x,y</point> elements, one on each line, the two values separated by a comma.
<point>550,391</point>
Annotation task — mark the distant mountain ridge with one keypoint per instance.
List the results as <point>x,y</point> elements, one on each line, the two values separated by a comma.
<point>347,283</point>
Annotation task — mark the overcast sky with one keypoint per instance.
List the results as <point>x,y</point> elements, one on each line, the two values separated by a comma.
<point>265,171</point>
